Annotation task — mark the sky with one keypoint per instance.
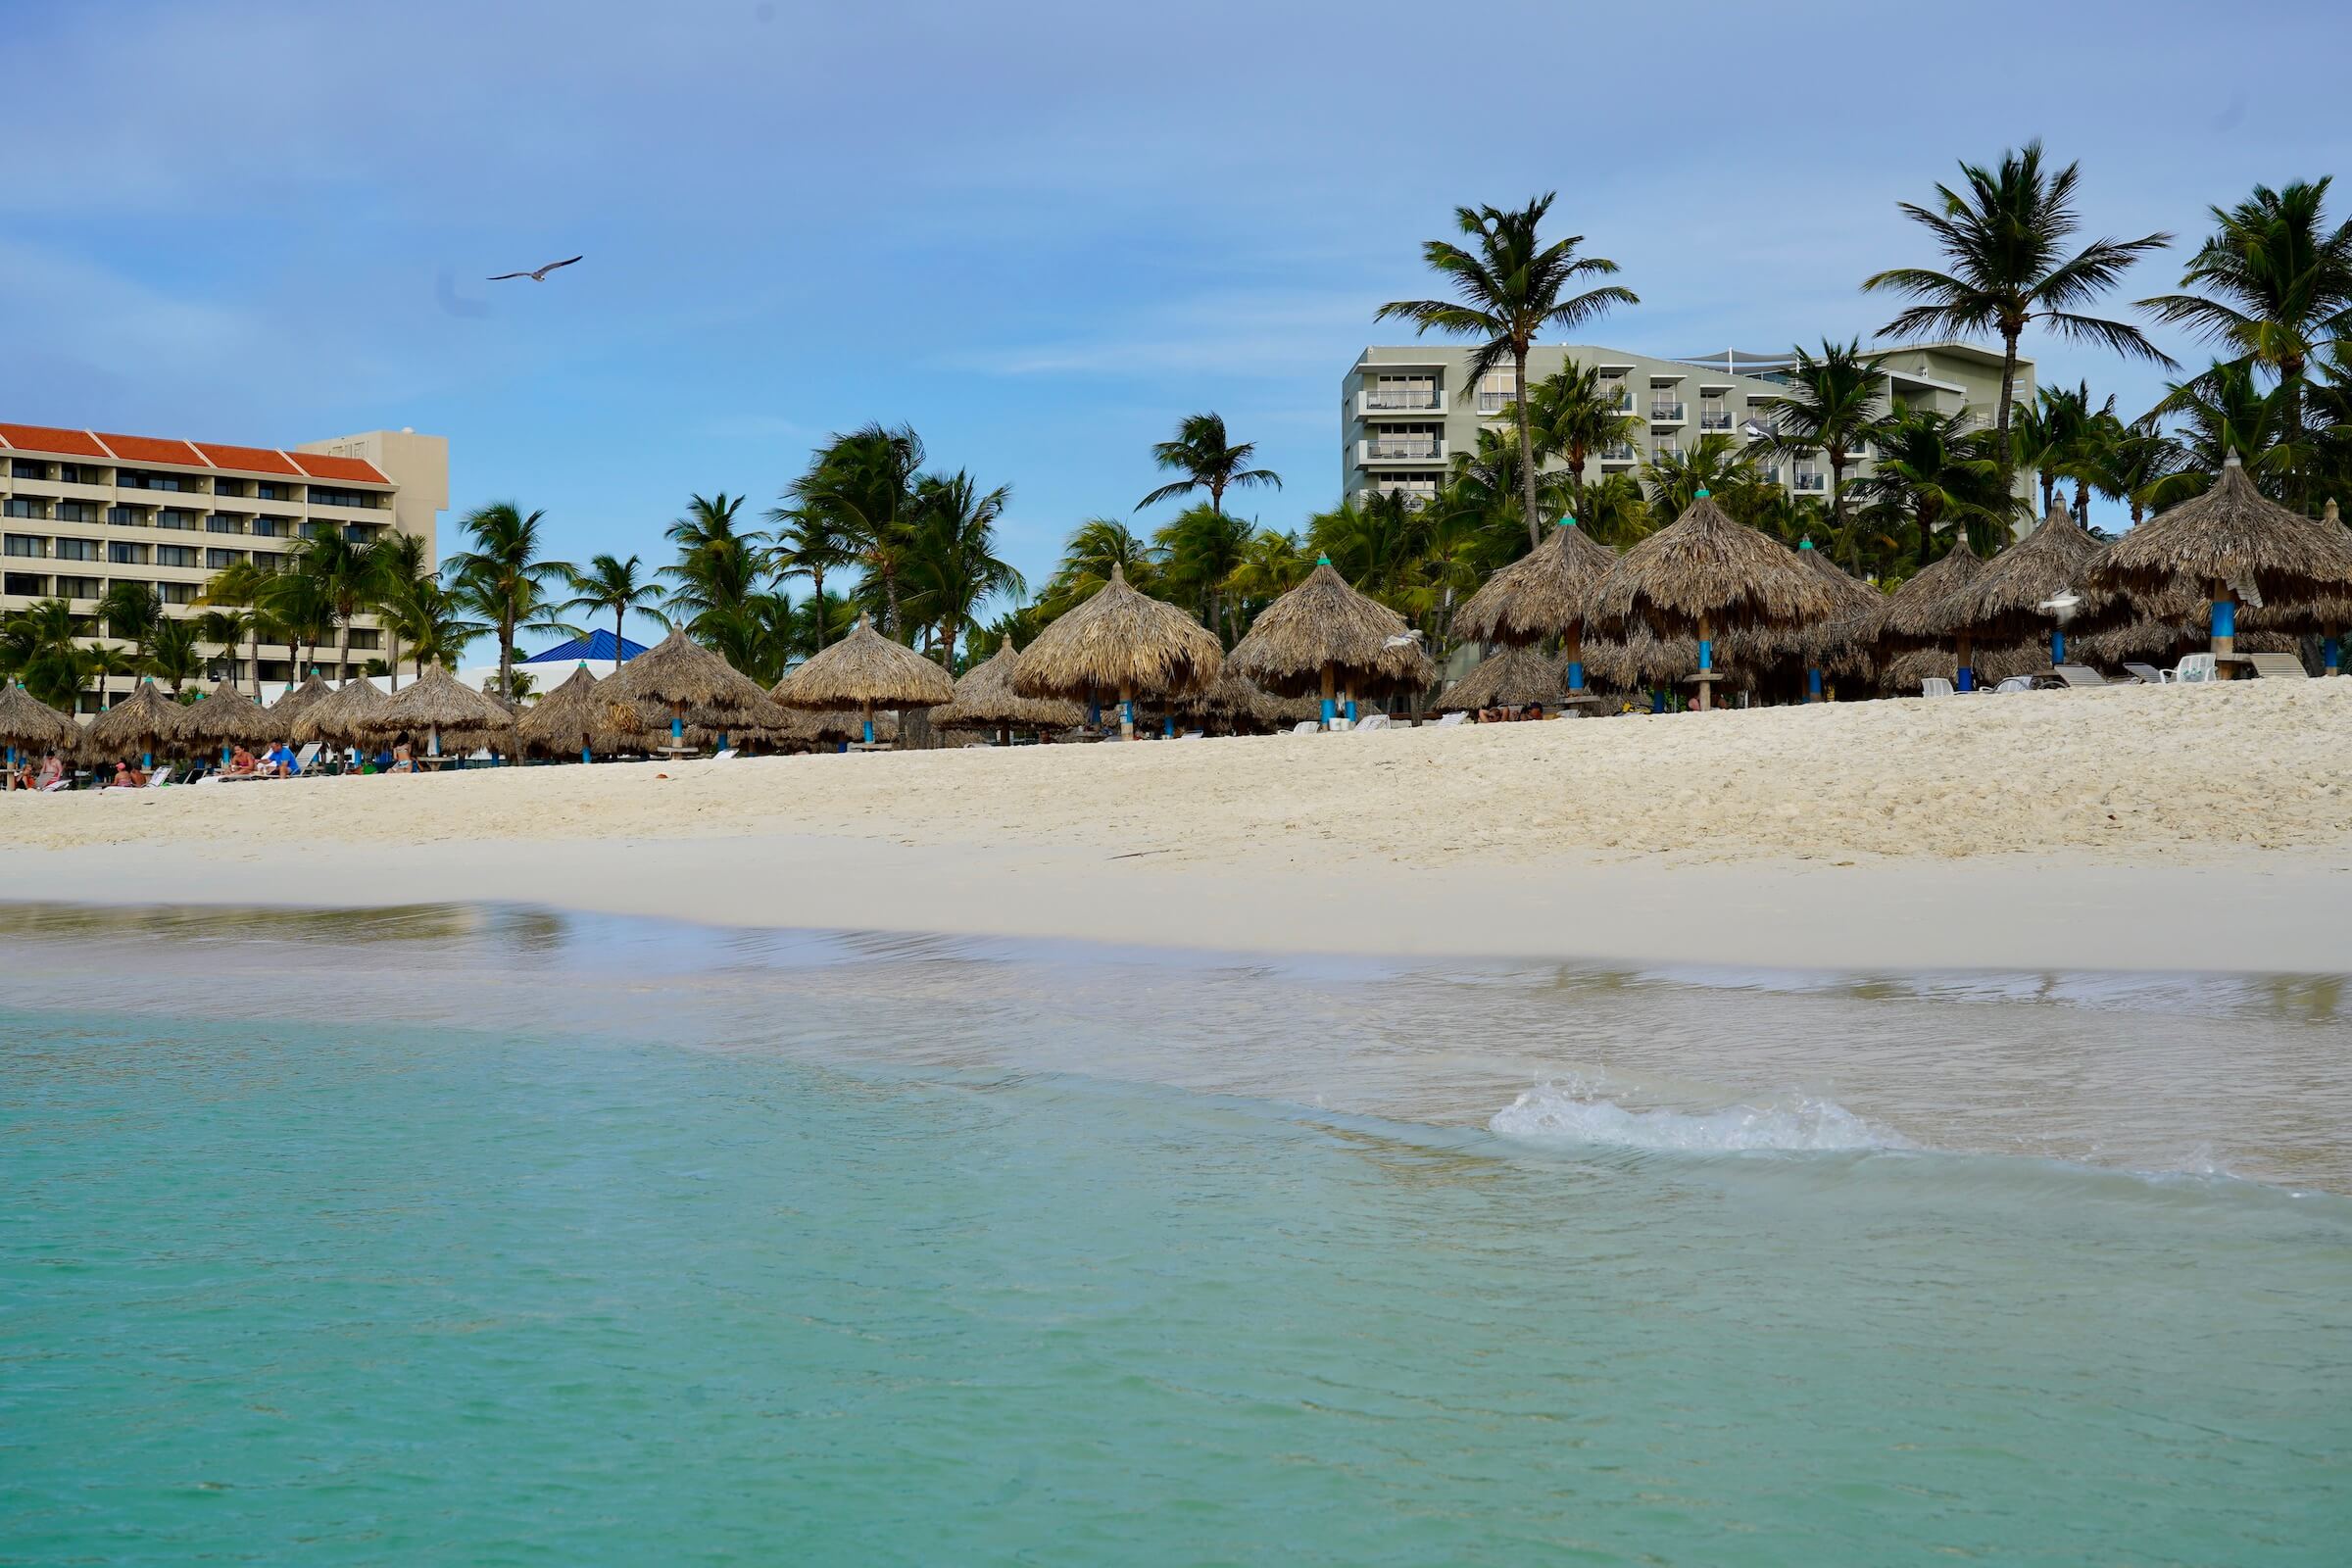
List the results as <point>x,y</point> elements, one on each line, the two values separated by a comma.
<point>1040,234</point>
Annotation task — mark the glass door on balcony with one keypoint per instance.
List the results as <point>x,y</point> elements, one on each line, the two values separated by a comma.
<point>1420,441</point>
<point>1712,414</point>
<point>1403,392</point>
<point>1498,390</point>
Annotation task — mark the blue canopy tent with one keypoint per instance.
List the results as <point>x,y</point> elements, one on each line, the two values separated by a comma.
<point>597,645</point>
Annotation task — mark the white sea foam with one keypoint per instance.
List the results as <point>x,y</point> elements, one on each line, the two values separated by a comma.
<point>1572,1112</point>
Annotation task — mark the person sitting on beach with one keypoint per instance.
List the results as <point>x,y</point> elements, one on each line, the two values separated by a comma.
<point>240,763</point>
<point>402,760</point>
<point>52,769</point>
<point>1532,710</point>
<point>283,761</point>
<point>129,778</point>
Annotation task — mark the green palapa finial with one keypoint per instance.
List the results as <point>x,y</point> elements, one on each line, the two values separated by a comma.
<point>1322,560</point>
<point>1805,542</point>
<point>1702,495</point>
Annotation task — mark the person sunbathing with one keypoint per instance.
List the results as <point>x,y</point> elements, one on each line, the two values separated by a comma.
<point>129,778</point>
<point>241,762</point>
<point>52,770</point>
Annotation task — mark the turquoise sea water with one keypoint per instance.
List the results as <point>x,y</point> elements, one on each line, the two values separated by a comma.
<point>631,1245</point>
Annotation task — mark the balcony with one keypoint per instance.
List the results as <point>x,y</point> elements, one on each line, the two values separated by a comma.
<point>1662,412</point>
<point>1714,419</point>
<point>1809,482</point>
<point>1496,402</point>
<point>1401,449</point>
<point>1620,451</point>
<point>1415,495</point>
<point>173,518</point>
<point>1397,400</point>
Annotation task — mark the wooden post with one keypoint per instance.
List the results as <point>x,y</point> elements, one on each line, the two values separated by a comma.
<point>1575,641</point>
<point>1965,677</point>
<point>1329,709</point>
<point>2225,631</point>
<point>1707,663</point>
<point>1126,712</point>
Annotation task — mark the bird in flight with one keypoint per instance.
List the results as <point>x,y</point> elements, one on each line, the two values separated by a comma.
<point>537,276</point>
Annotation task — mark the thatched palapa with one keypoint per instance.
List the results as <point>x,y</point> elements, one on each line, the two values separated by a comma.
<point>1125,644</point>
<point>1543,594</point>
<point>292,704</point>
<point>567,721</point>
<point>228,718</point>
<point>866,670</point>
<point>1511,677</point>
<point>145,722</point>
<point>434,705</point>
<point>2231,538</point>
<point>985,700</point>
<point>690,685</point>
<point>28,724</point>
<point>1908,620</point>
<point>1325,637</point>
<point>2002,601</point>
<point>339,718</point>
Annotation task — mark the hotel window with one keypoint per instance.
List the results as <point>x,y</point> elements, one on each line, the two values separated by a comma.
<point>1403,392</point>
<point>365,499</point>
<point>176,593</point>
<point>127,516</point>
<point>269,561</point>
<point>77,549</point>
<point>76,587</point>
<point>19,469</point>
<point>174,517</point>
<point>1619,396</point>
<point>24,584</point>
<point>271,527</point>
<point>77,511</point>
<point>223,525</point>
<point>175,556</point>
<point>228,487</point>
<point>1712,415</point>
<point>24,544</point>
<point>1497,389</point>
<point>266,491</point>
<point>362,638</point>
<point>78,474</point>
<point>121,553</point>
<point>218,559</point>
<point>19,507</point>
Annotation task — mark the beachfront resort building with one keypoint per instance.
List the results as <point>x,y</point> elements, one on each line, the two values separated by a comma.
<point>85,509</point>
<point>1406,411</point>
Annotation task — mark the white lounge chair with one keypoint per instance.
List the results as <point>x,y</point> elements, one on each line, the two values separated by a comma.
<point>1935,686</point>
<point>1452,719</point>
<point>2149,674</point>
<point>727,755</point>
<point>1372,721</point>
<point>159,778</point>
<point>305,756</point>
<point>1308,726</point>
<point>2194,670</point>
<point>2082,675</point>
<point>2015,683</point>
<point>1192,735</point>
<point>2278,666</point>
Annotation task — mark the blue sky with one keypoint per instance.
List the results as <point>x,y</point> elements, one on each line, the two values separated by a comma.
<point>1038,233</point>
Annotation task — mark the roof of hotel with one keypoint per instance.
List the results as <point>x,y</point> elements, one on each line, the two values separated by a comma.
<point>185,454</point>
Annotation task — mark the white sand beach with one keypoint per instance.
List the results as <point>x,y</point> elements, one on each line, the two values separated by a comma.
<point>2135,827</point>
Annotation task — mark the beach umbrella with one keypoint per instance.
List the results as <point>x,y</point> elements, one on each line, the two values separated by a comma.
<point>2233,543</point>
<point>1704,575</point>
<point>28,724</point>
<point>435,703</point>
<point>1324,636</point>
<point>1908,621</point>
<point>985,700</point>
<point>1509,677</point>
<point>1815,644</point>
<point>566,719</point>
<point>688,682</point>
<point>1120,641</point>
<point>1543,594</point>
<point>1240,704</point>
<point>2003,603</point>
<point>337,718</point>
<point>866,670</point>
<point>298,701</point>
<point>144,720</point>
<point>227,718</point>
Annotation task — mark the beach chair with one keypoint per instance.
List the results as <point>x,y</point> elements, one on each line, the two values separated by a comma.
<point>727,755</point>
<point>2082,675</point>
<point>1192,735</point>
<point>1935,686</point>
<point>305,756</point>
<point>2194,670</point>
<point>2278,666</point>
<point>1308,726</point>
<point>1372,721</point>
<point>1452,719</point>
<point>159,778</point>
<point>2015,683</point>
<point>2147,674</point>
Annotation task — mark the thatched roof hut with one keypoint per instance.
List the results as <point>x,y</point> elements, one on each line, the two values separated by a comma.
<point>1120,643</point>
<point>144,721</point>
<point>437,705</point>
<point>1639,661</point>
<point>292,704</point>
<point>1827,644</point>
<point>985,700</point>
<point>230,717</point>
<point>1908,619</point>
<point>688,681</point>
<point>339,717</point>
<point>1511,677</point>
<point>2002,601</point>
<point>1324,635</point>
<point>567,721</point>
<point>1902,674</point>
<point>30,724</point>
<point>866,670</point>
<point>1543,594</point>
<point>2229,539</point>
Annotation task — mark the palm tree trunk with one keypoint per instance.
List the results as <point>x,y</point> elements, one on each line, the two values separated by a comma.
<point>1837,487</point>
<point>816,586</point>
<point>2001,423</point>
<point>620,614</point>
<point>392,663</point>
<point>1527,449</point>
<point>506,656</point>
<point>256,663</point>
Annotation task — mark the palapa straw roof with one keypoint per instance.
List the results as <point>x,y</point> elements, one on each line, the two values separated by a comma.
<point>145,715</point>
<point>985,700</point>
<point>291,705</point>
<point>865,667</point>
<point>2231,534</point>
<point>568,720</point>
<point>1826,641</point>
<point>439,701</point>
<point>1543,594</point>
<point>1705,565</point>
<point>2002,601</point>
<point>1120,640</point>
<point>681,674</point>
<point>30,724</point>
<point>230,717</point>
<point>1641,660</point>
<point>1323,623</point>
<point>1901,675</point>
<point>1908,619</point>
<point>337,718</point>
<point>1511,678</point>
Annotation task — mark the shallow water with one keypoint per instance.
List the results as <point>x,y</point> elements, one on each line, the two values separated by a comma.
<point>492,1236</point>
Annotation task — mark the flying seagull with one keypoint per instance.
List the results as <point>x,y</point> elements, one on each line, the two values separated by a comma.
<point>538,276</point>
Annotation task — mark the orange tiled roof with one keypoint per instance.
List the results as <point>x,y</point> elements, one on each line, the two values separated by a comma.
<point>320,466</point>
<point>147,449</point>
<point>248,459</point>
<point>41,438</point>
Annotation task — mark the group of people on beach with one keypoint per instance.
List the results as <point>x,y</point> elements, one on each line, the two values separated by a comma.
<point>278,762</point>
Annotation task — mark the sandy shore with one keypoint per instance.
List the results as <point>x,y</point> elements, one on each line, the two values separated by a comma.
<point>2129,828</point>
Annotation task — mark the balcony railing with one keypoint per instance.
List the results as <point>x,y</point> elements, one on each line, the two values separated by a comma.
<point>1496,402</point>
<point>1619,452</point>
<point>1714,420</point>
<point>1809,482</point>
<point>1671,411</point>
<point>1427,447</point>
<point>1387,398</point>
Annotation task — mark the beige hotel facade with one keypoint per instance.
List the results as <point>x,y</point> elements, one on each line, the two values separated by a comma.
<point>84,509</point>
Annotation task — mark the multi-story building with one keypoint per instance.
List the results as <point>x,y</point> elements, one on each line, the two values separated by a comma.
<point>1406,411</point>
<point>84,509</point>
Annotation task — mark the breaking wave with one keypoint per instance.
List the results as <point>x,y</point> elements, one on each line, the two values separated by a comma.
<point>1572,1112</point>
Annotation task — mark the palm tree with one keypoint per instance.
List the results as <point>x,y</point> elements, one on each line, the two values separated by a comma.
<point>865,481</point>
<point>395,566</point>
<point>237,595</point>
<point>175,652</point>
<point>2004,241</point>
<point>434,624</point>
<point>1616,513</point>
<point>131,612</point>
<point>2128,461</point>
<point>1933,471</point>
<point>2276,288</point>
<point>1511,289</point>
<point>952,562</point>
<point>1574,416</point>
<point>811,540</point>
<point>336,575</point>
<point>758,634</point>
<point>1832,406</point>
<point>1714,463</point>
<point>504,577</point>
<point>1272,565</point>
<point>1087,556</point>
<point>1208,462</point>
<point>38,648</point>
<point>1202,547</point>
<point>2219,413</point>
<point>610,584</point>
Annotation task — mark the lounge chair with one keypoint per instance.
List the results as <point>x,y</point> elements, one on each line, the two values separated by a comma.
<point>1192,735</point>
<point>2149,674</point>
<point>1372,721</point>
<point>727,755</point>
<point>1452,719</point>
<point>1308,726</point>
<point>305,756</point>
<point>2194,670</point>
<point>2082,675</point>
<point>1935,686</point>
<point>2278,666</point>
<point>2015,683</point>
<point>159,778</point>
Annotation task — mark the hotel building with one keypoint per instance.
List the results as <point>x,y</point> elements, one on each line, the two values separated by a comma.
<point>85,509</point>
<point>1406,411</point>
